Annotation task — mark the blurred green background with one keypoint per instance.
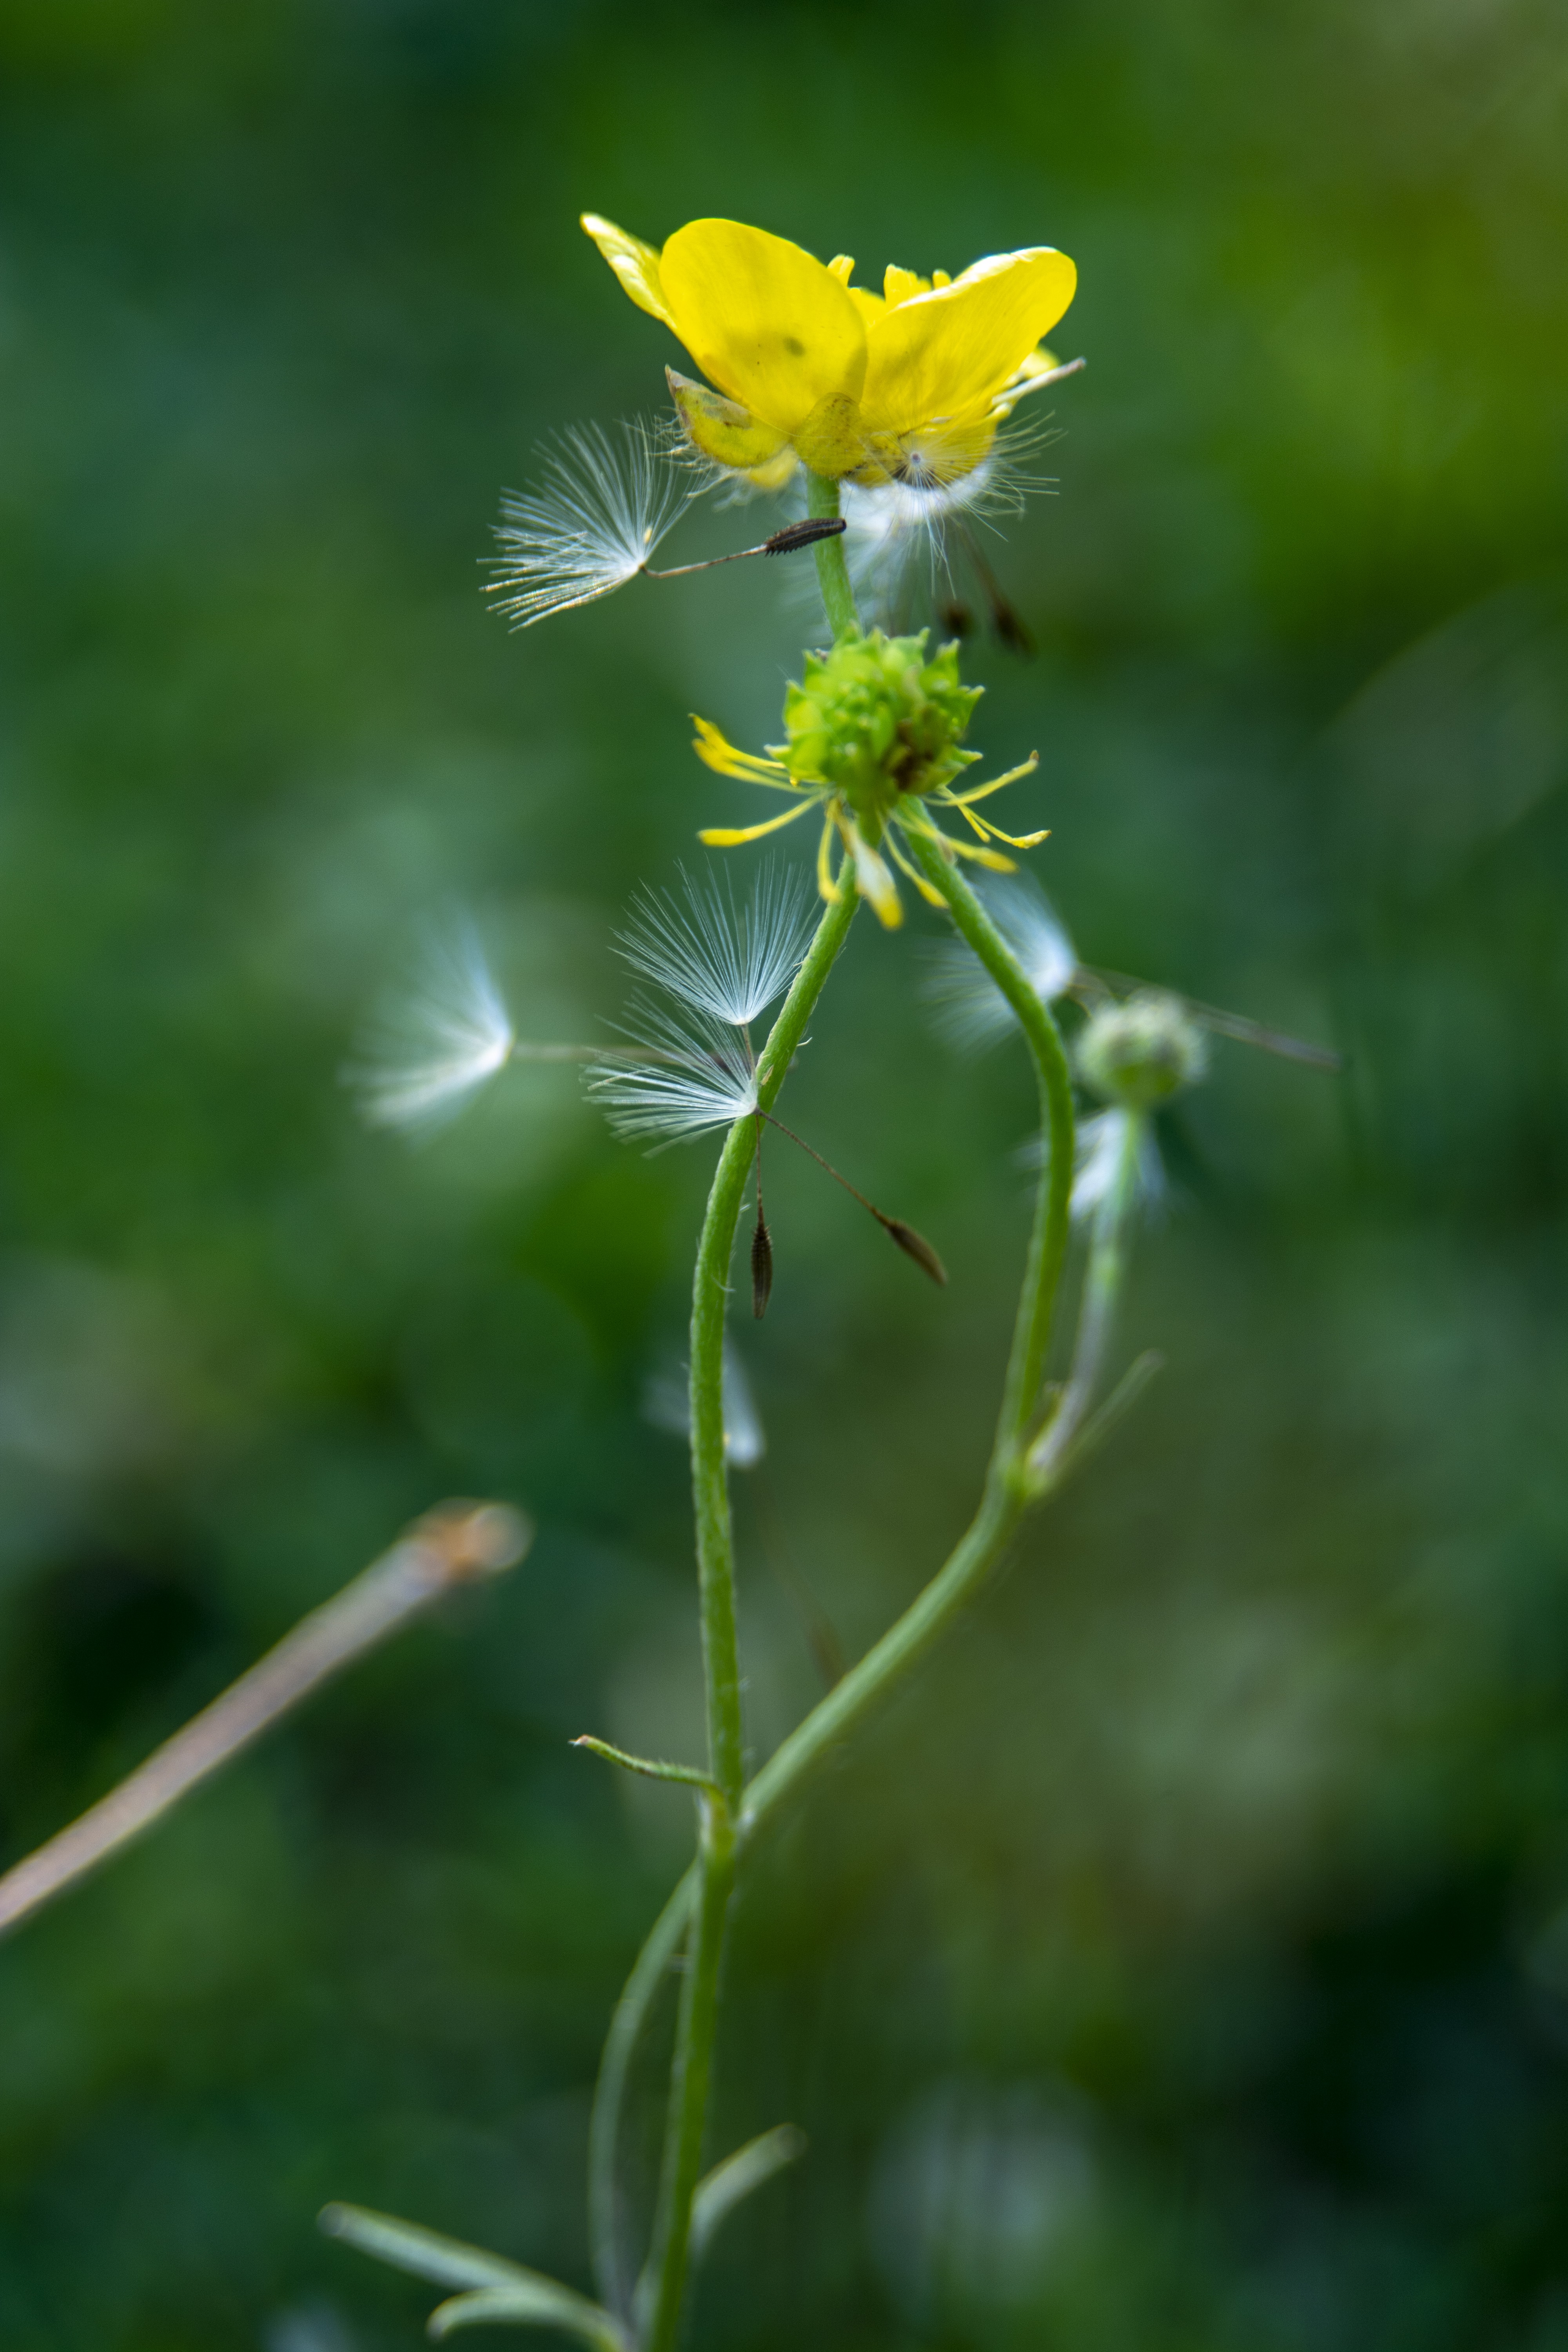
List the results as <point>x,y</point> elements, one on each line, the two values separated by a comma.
<point>1184,1963</point>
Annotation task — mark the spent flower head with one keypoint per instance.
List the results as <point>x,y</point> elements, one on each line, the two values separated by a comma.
<point>873,739</point>
<point>441,1038</point>
<point>1139,1054</point>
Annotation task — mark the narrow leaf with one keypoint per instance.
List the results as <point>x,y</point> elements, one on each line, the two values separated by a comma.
<point>545,2304</point>
<point>425,2252</point>
<point>728,2183</point>
<point>650,1768</point>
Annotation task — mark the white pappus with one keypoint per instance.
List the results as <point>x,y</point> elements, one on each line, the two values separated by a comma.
<point>438,1041</point>
<point>968,1006</point>
<point>605,501</point>
<point>720,964</point>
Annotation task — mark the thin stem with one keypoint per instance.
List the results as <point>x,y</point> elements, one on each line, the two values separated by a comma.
<point>715,1586</point>
<point>832,571</point>
<point>1008,1489</point>
<point>610,2273</point>
<point>1048,1238</point>
<point>1102,1293</point>
<point>452,1546</point>
<point>710,1297</point>
<point>695,2037</point>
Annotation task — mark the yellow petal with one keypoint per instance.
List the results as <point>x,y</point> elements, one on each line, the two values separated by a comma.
<point>775,474</point>
<point>899,285</point>
<point>765,320</point>
<point>832,440</point>
<point>720,428</point>
<point>842,266</point>
<point>943,354</point>
<point>634,263</point>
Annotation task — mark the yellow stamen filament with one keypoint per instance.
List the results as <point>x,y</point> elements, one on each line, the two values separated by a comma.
<point>931,895</point>
<point>825,881</point>
<point>984,792</point>
<point>730,836</point>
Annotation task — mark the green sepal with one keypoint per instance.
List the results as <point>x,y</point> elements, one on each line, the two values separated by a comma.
<point>722,429</point>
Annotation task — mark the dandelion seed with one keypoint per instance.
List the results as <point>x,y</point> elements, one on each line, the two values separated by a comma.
<point>699,1075</point>
<point>438,1043</point>
<point>666,1403</point>
<point>606,502</point>
<point>901,530</point>
<point>730,962</point>
<point>970,1009</point>
<point>1099,1143</point>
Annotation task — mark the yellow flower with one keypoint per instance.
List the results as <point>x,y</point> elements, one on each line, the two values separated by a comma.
<point>906,385</point>
<point>874,739</point>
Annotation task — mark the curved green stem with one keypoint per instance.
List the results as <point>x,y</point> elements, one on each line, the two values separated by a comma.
<point>832,569</point>
<point>710,1297</point>
<point>1009,1486</point>
<point>1048,1238</point>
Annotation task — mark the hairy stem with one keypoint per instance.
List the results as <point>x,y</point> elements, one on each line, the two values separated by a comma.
<point>716,1588</point>
<point>710,1297</point>
<point>832,571</point>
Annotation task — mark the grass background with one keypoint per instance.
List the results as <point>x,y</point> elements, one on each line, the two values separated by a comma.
<point>1184,1962</point>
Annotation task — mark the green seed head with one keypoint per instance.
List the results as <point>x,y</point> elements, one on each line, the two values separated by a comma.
<point>877,720</point>
<point>1140,1054</point>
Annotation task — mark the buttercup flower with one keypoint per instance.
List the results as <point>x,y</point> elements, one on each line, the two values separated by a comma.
<point>908,385</point>
<point>874,739</point>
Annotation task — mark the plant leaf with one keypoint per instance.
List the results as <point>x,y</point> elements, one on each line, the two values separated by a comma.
<point>723,2187</point>
<point>541,2303</point>
<point>529,2298</point>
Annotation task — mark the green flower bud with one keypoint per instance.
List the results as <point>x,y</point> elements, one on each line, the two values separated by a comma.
<point>875,719</point>
<point>1140,1054</point>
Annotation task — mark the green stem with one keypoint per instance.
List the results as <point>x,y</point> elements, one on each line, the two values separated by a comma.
<point>716,1588</point>
<point>1048,1237</point>
<point>710,1297</point>
<point>832,571</point>
<point>695,2036</point>
<point>1008,1486</point>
